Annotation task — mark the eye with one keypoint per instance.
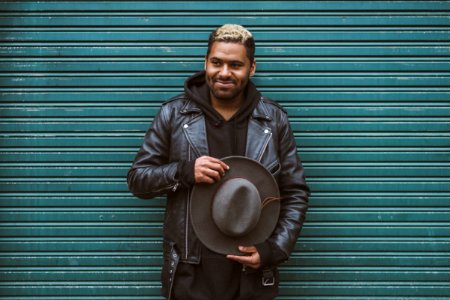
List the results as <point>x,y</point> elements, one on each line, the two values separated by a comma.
<point>236,65</point>
<point>215,62</point>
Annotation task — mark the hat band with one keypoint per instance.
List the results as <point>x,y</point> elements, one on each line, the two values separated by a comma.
<point>269,200</point>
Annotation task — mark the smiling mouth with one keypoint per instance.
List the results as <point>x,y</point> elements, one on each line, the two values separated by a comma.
<point>224,83</point>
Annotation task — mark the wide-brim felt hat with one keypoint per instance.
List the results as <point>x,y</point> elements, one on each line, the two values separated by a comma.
<point>241,209</point>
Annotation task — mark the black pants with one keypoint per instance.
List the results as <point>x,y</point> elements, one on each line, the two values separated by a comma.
<point>217,278</point>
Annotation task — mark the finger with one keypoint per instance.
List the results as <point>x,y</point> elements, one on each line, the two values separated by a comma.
<point>250,261</point>
<point>216,161</point>
<point>248,249</point>
<point>205,163</point>
<point>224,165</point>
<point>204,170</point>
<point>205,179</point>
<point>206,176</point>
<point>240,259</point>
<point>218,166</point>
<point>213,174</point>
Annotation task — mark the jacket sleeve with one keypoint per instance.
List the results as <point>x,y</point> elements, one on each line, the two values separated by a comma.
<point>152,174</point>
<point>294,194</point>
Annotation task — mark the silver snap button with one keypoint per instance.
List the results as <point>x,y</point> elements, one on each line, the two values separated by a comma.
<point>185,126</point>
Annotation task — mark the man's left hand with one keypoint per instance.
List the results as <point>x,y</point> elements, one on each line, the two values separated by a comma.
<point>251,259</point>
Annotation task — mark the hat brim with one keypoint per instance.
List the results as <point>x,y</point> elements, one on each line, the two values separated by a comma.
<point>201,201</point>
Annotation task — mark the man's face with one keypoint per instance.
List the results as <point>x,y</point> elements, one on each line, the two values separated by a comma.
<point>228,70</point>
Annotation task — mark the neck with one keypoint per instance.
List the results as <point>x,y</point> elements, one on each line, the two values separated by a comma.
<point>227,108</point>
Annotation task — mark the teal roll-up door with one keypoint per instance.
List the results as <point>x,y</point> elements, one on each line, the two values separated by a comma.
<point>366,85</point>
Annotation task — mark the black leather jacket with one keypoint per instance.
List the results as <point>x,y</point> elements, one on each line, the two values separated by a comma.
<point>178,133</point>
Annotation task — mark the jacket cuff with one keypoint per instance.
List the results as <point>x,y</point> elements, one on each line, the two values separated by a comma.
<point>265,253</point>
<point>185,172</point>
<point>270,254</point>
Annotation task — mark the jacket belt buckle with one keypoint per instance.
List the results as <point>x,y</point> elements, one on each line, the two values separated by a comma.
<point>268,278</point>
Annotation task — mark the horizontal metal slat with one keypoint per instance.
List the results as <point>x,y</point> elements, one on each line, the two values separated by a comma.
<point>187,6</point>
<point>360,170</point>
<point>119,111</point>
<point>251,20</point>
<point>305,244</point>
<point>305,274</point>
<point>146,35</point>
<point>136,259</point>
<point>383,200</point>
<point>31,126</point>
<point>135,67</point>
<point>276,49</point>
<point>149,215</point>
<point>44,277</point>
<point>162,80</point>
<point>119,185</point>
<point>355,229</point>
<point>366,290</point>
<point>361,274</point>
<point>85,290</point>
<point>135,97</point>
<point>385,143</point>
<point>318,199</point>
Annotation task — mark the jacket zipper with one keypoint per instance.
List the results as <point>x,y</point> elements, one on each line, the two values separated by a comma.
<point>172,187</point>
<point>188,202</point>
<point>265,145</point>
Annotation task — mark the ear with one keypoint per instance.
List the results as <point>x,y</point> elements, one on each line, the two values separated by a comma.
<point>253,68</point>
<point>206,61</point>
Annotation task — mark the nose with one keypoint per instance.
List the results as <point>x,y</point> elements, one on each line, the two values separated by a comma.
<point>224,71</point>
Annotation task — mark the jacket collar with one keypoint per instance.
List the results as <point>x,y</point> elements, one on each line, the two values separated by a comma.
<point>260,112</point>
<point>190,107</point>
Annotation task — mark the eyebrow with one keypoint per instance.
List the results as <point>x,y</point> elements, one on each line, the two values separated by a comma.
<point>228,61</point>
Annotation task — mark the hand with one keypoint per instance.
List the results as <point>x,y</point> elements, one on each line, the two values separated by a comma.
<point>208,169</point>
<point>252,259</point>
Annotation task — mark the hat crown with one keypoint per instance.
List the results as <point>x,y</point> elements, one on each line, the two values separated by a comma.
<point>236,207</point>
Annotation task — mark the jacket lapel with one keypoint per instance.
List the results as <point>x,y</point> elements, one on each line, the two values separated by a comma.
<point>195,130</point>
<point>258,134</point>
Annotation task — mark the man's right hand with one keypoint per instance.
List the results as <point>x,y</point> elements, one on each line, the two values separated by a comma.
<point>208,169</point>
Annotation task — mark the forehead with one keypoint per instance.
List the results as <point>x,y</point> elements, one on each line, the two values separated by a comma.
<point>228,51</point>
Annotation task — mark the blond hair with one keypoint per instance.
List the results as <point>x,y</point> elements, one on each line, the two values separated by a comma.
<point>233,33</point>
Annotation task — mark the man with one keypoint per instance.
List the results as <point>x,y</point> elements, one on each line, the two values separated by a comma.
<point>220,114</point>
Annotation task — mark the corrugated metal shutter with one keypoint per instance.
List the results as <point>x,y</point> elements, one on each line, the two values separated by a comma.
<point>366,84</point>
